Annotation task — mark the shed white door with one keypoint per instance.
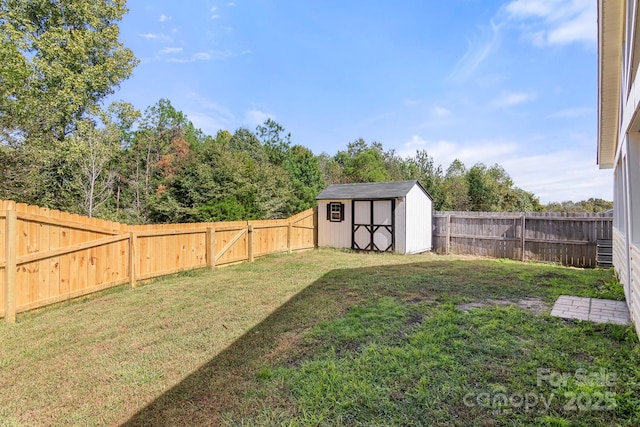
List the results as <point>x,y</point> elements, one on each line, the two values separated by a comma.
<point>373,225</point>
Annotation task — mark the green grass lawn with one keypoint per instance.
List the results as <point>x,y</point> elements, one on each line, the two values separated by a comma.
<point>327,338</point>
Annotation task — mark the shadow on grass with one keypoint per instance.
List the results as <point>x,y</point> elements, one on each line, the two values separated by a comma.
<point>221,384</point>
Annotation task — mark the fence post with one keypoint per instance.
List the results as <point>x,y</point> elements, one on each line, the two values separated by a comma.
<point>250,242</point>
<point>522,233</point>
<point>315,227</point>
<point>211,247</point>
<point>10,265</point>
<point>448,236</point>
<point>289,231</point>
<point>133,242</point>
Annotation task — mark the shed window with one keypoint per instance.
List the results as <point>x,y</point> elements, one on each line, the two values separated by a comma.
<point>335,212</point>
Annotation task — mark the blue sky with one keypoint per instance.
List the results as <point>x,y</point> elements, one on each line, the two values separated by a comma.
<point>508,82</point>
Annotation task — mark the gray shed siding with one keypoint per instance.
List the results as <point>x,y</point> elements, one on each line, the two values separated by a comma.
<point>334,234</point>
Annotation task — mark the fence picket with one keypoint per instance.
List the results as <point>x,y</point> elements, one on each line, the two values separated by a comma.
<point>10,294</point>
<point>57,256</point>
<point>567,239</point>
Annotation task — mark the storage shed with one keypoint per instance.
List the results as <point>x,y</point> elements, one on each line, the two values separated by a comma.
<point>376,216</point>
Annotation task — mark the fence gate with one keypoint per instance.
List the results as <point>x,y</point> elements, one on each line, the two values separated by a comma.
<point>373,225</point>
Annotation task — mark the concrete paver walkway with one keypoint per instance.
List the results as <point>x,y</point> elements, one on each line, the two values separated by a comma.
<point>592,309</point>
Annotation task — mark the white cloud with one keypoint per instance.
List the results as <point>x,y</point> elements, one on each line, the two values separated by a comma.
<point>561,175</point>
<point>444,152</point>
<point>170,50</point>
<point>231,4</point>
<point>256,117</point>
<point>555,22</point>
<point>412,102</point>
<point>436,116</point>
<point>554,176</point>
<point>440,112</point>
<point>572,112</point>
<point>153,36</point>
<point>198,56</point>
<point>209,123</point>
<point>207,56</point>
<point>531,7</point>
<point>479,49</point>
<point>208,115</point>
<point>510,99</point>
<point>164,18</point>
<point>214,14</point>
<point>182,60</point>
<point>201,56</point>
<point>542,22</point>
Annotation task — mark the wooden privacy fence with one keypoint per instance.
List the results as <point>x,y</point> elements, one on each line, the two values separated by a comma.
<point>48,256</point>
<point>569,239</point>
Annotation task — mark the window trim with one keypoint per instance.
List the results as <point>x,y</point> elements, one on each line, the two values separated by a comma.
<point>335,212</point>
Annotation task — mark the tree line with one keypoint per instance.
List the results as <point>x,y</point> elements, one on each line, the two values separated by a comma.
<point>62,148</point>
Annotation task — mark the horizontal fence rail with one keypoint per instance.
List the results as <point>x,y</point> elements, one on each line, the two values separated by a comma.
<point>48,256</point>
<point>565,238</point>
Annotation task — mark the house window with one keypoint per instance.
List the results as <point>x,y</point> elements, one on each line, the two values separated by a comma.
<point>335,212</point>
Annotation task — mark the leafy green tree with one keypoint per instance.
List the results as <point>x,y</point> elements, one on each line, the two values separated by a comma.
<point>363,163</point>
<point>397,168</point>
<point>423,169</point>
<point>598,205</point>
<point>94,150</point>
<point>274,142</point>
<point>303,170</point>
<point>17,182</point>
<point>226,208</point>
<point>60,59</point>
<point>160,125</point>
<point>491,189</point>
<point>519,200</point>
<point>331,169</point>
<point>245,141</point>
<point>592,205</point>
<point>13,73</point>
<point>124,117</point>
<point>486,186</point>
<point>455,188</point>
<point>220,179</point>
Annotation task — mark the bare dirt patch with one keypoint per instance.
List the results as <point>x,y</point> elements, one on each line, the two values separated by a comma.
<point>284,344</point>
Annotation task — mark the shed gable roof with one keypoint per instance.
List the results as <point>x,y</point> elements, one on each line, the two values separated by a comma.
<point>369,190</point>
